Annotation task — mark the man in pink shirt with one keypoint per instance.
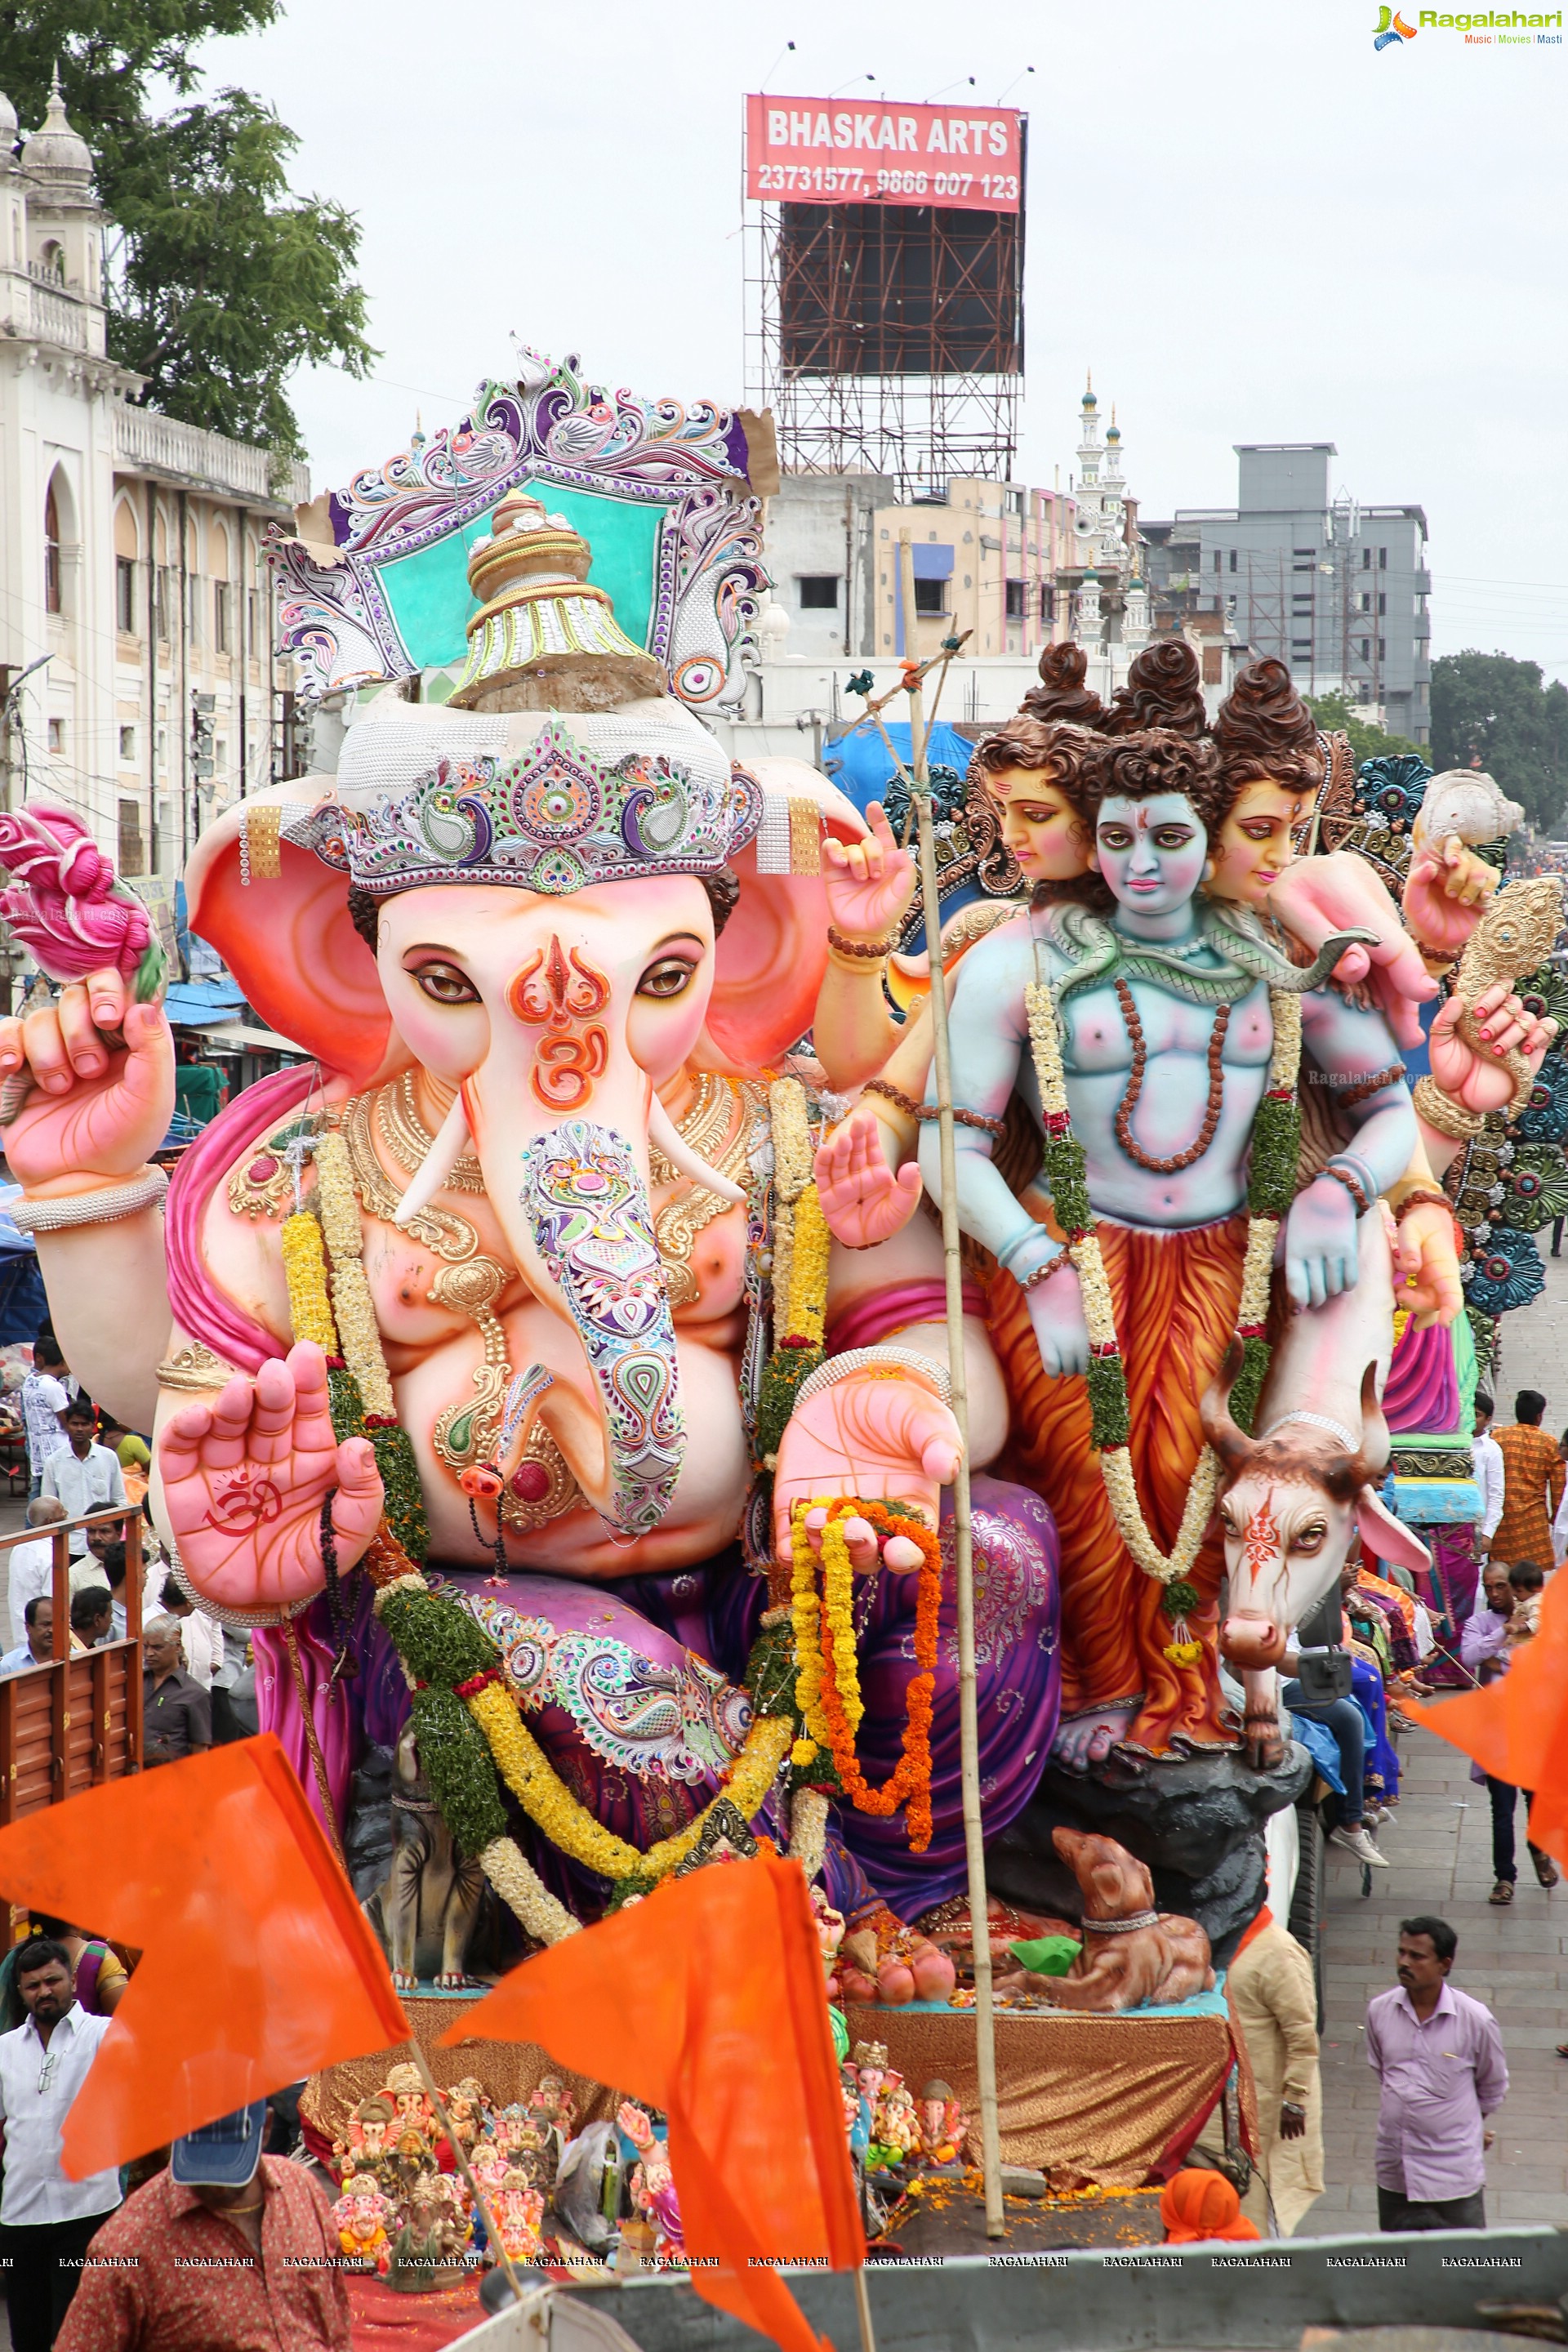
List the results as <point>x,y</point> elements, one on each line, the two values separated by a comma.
<point>1439,2056</point>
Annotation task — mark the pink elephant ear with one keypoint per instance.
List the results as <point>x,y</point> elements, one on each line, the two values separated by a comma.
<point>772,951</point>
<point>289,941</point>
<point>1389,1538</point>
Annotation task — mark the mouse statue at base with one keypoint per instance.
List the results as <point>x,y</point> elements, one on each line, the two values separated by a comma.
<point>1133,1956</point>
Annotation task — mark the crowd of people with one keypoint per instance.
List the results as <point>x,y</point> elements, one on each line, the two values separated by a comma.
<point>198,1679</point>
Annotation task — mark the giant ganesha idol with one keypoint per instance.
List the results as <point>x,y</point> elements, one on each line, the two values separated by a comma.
<point>496,1390</point>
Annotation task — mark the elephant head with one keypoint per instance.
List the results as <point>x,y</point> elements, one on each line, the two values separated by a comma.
<point>550,917</point>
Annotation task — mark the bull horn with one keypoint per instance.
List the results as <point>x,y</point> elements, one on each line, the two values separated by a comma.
<point>446,1151</point>
<point>1371,1459</point>
<point>1232,1443</point>
<point>663,1131</point>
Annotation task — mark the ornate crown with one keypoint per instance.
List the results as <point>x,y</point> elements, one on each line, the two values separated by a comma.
<point>553,818</point>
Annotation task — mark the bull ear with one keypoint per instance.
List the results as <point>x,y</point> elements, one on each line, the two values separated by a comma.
<point>1372,1458</point>
<point>1388,1538</point>
<point>1233,1446</point>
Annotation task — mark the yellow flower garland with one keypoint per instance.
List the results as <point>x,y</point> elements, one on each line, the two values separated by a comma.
<point>572,1828</point>
<point>305,1270</point>
<point>808,1311</point>
<point>354,1308</point>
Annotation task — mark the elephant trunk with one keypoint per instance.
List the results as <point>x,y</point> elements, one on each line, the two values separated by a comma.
<point>587,1204</point>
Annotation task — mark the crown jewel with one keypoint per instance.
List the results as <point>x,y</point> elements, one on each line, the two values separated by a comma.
<point>554,819</point>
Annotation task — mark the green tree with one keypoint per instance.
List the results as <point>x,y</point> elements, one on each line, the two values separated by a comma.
<point>221,282</point>
<point>1333,713</point>
<point>1490,711</point>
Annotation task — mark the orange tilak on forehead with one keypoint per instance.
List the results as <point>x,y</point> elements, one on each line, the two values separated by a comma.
<point>1260,1546</point>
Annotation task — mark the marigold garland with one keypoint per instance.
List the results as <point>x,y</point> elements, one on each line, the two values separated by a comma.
<point>827,1691</point>
<point>305,1271</point>
<point>1275,1139</point>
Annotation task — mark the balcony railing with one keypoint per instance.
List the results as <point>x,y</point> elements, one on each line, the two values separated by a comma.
<point>164,445</point>
<point>59,319</point>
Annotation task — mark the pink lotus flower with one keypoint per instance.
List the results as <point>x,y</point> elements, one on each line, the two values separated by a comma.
<point>67,907</point>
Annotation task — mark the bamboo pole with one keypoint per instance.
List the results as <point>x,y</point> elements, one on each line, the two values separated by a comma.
<point>482,2206</point>
<point>962,1550</point>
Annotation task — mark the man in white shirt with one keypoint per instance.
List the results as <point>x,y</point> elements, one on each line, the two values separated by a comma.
<point>37,1647</point>
<point>33,1564</point>
<point>46,2220</point>
<point>83,1475</point>
<point>201,1637</point>
<point>44,1397</point>
<point>1486,1455</point>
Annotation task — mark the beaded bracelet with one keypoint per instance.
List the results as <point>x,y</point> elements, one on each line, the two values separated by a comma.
<point>1419,1200</point>
<point>1044,1273</point>
<point>1358,1089</point>
<point>106,1206</point>
<point>912,1109</point>
<point>869,950</point>
<point>1352,1185</point>
<point>886,1363</point>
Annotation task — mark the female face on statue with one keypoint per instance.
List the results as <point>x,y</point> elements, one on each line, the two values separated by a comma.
<point>1151,852</point>
<point>1039,825</point>
<point>1255,846</point>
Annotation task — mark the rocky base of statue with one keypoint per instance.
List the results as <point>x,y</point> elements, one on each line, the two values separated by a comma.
<point>1195,1820</point>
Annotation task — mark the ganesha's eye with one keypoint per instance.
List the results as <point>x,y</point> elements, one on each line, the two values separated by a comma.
<point>670,976</point>
<point>444,984</point>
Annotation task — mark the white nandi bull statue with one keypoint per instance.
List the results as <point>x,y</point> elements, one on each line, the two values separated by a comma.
<point>1292,1497</point>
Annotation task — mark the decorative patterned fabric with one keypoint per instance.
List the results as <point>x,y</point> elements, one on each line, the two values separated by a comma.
<point>1448,1589</point>
<point>1533,1476</point>
<point>1175,1296</point>
<point>509,2071</point>
<point>1112,2101</point>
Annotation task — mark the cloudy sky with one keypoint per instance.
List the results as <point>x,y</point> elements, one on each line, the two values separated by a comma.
<point>1253,224</point>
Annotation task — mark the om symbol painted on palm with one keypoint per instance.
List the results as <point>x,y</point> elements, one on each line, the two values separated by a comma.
<point>561,998</point>
<point>241,1504</point>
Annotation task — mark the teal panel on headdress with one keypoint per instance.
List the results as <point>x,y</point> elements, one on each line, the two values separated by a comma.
<point>428,591</point>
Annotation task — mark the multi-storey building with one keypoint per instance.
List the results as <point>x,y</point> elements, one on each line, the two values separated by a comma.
<point>1337,590</point>
<point>137,680</point>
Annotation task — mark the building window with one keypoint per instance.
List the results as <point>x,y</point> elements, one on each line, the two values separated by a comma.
<point>1382,558</point>
<point>51,553</point>
<point>132,859</point>
<point>1366,648</point>
<point>1382,606</point>
<point>161,605</point>
<point>819,592</point>
<point>223,596</point>
<point>1015,599</point>
<point>1232,559</point>
<point>125,595</point>
<point>931,597</point>
<point>1219,559</point>
<point>1366,559</point>
<point>1382,649</point>
<point>128,746</point>
<point>57,736</point>
<point>1047,601</point>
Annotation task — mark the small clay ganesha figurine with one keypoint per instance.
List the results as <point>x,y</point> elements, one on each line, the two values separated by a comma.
<point>519,2211</point>
<point>896,2124</point>
<point>1133,1956</point>
<point>943,2129</point>
<point>368,2144</point>
<point>405,2088</point>
<point>829,1936</point>
<point>554,2112</point>
<point>360,2218</point>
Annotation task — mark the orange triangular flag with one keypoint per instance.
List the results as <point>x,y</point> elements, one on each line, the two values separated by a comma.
<point>707,2000</point>
<point>1517,1728</point>
<point>257,1964</point>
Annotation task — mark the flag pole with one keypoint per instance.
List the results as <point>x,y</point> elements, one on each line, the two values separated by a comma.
<point>459,2158</point>
<point>962,1549</point>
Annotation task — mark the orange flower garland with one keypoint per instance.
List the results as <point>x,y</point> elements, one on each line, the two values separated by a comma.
<point>829,1683</point>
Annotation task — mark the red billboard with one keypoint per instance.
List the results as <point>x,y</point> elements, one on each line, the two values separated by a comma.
<point>816,151</point>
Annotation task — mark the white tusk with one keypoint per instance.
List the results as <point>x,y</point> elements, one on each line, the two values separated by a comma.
<point>439,1162</point>
<point>663,1131</point>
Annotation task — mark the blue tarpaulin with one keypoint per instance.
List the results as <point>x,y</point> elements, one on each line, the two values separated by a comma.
<point>192,1004</point>
<point>860,765</point>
